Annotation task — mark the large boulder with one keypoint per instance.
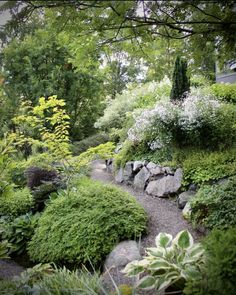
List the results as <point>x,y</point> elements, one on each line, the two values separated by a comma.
<point>157,171</point>
<point>128,171</point>
<point>122,254</point>
<point>119,175</point>
<point>151,166</point>
<point>166,185</point>
<point>141,178</point>
<point>185,197</point>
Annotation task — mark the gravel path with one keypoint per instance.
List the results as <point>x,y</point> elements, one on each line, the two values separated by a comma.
<point>163,214</point>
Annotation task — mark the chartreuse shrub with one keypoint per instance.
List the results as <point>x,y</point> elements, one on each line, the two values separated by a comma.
<point>15,202</point>
<point>201,166</point>
<point>225,91</point>
<point>84,224</point>
<point>170,264</point>
<point>215,206</point>
<point>43,279</point>
<point>219,273</point>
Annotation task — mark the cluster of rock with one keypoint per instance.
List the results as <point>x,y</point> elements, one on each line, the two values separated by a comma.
<point>147,176</point>
<point>155,180</point>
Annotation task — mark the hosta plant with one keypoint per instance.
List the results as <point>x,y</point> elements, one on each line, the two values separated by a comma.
<point>170,264</point>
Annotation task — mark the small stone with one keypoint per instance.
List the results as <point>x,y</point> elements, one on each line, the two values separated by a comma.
<point>187,211</point>
<point>137,165</point>
<point>157,171</point>
<point>122,254</point>
<point>184,198</point>
<point>151,165</point>
<point>169,170</point>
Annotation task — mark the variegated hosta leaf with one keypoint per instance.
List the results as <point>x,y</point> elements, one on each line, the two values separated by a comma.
<point>157,252</point>
<point>163,240</point>
<point>196,251</point>
<point>159,264</point>
<point>133,268</point>
<point>147,283</point>
<point>183,240</point>
<point>164,283</point>
<point>191,273</point>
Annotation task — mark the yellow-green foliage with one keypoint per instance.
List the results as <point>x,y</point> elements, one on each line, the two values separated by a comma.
<point>225,91</point>
<point>49,120</point>
<point>15,202</point>
<point>85,224</point>
<point>102,151</point>
<point>202,166</point>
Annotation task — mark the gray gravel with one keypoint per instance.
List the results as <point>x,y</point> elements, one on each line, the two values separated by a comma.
<point>163,216</point>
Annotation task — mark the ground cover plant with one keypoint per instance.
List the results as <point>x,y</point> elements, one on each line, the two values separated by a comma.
<point>215,206</point>
<point>87,223</point>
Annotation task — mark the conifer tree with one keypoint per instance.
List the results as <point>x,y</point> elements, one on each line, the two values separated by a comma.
<point>180,80</point>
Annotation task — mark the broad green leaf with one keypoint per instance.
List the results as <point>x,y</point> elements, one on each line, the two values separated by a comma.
<point>163,240</point>
<point>157,252</point>
<point>147,283</point>
<point>183,240</point>
<point>159,264</point>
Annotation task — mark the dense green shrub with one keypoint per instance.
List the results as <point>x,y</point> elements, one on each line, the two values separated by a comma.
<point>225,91</point>
<point>215,206</point>
<point>79,147</point>
<point>16,202</point>
<point>19,231</point>
<point>85,224</point>
<point>218,277</point>
<point>202,166</point>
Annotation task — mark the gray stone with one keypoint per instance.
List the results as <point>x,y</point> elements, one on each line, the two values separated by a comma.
<point>193,187</point>
<point>169,170</point>
<point>119,175</point>
<point>157,171</point>
<point>128,171</point>
<point>166,185</point>
<point>187,211</point>
<point>137,165</point>
<point>151,165</point>
<point>122,254</point>
<point>141,178</point>
<point>184,198</point>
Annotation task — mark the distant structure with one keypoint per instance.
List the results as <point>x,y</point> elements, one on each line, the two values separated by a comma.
<point>228,75</point>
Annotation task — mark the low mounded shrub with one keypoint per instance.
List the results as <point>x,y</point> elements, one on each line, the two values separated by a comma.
<point>86,224</point>
<point>215,206</point>
<point>16,202</point>
<point>201,166</point>
<point>79,147</point>
<point>218,277</point>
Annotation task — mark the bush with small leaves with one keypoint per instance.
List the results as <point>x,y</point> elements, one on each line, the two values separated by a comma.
<point>16,202</point>
<point>219,273</point>
<point>170,264</point>
<point>215,206</point>
<point>85,223</point>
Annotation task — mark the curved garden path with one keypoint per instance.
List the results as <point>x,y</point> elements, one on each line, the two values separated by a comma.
<point>163,213</point>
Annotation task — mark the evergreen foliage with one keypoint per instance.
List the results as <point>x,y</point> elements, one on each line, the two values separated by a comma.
<point>180,80</point>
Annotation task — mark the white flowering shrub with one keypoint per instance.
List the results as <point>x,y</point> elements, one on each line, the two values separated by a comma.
<point>135,97</point>
<point>200,120</point>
